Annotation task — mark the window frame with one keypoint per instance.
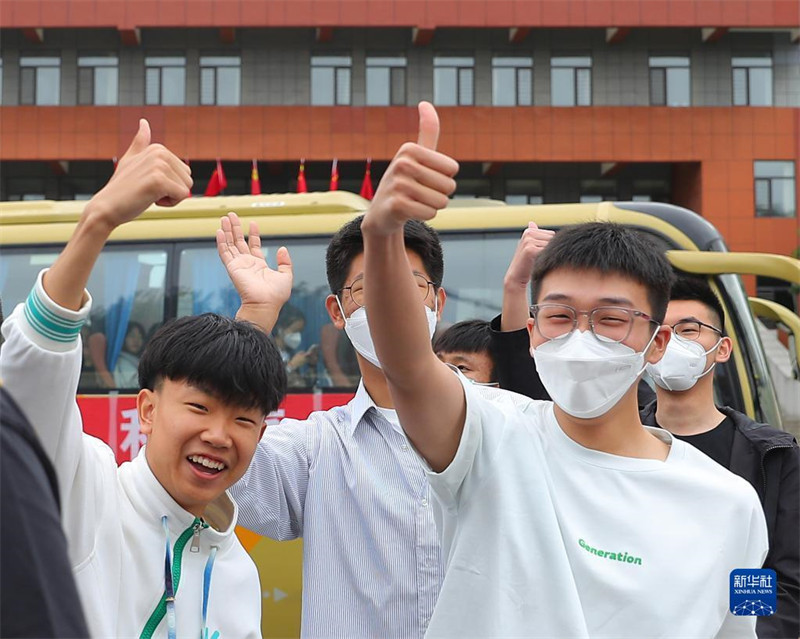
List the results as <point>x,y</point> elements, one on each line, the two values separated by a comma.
<point>770,181</point>
<point>335,68</point>
<point>576,70</point>
<point>206,65</point>
<point>517,70</point>
<point>747,69</point>
<point>666,70</point>
<point>159,69</point>
<point>390,69</point>
<point>34,72</point>
<point>458,68</point>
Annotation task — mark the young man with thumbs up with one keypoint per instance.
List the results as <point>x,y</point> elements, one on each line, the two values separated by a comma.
<point>152,542</point>
<point>563,519</point>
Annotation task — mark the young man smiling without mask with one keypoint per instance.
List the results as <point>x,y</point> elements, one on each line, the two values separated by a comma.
<point>766,457</point>
<point>566,519</point>
<point>152,542</point>
<point>347,481</point>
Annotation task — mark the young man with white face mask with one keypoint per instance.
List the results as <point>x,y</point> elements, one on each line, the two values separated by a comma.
<point>348,481</point>
<point>568,519</point>
<point>766,457</point>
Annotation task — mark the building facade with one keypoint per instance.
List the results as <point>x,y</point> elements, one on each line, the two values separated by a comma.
<point>694,102</point>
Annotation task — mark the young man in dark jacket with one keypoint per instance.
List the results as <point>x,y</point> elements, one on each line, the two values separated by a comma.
<point>766,457</point>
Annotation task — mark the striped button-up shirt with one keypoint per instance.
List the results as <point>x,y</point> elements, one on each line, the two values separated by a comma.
<point>350,484</point>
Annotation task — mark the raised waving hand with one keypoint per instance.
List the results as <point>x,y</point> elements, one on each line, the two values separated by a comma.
<point>263,290</point>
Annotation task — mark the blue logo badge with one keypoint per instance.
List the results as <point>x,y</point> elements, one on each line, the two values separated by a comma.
<point>754,592</point>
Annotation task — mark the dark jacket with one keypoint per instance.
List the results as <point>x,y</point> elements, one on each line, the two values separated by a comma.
<point>38,597</point>
<point>515,369</point>
<point>769,459</point>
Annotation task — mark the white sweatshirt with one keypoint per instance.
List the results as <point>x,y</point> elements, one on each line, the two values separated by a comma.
<point>112,515</point>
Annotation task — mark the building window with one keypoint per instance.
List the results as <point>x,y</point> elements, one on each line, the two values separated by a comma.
<point>40,80</point>
<point>330,79</point>
<point>165,80</point>
<point>386,80</point>
<point>453,80</point>
<point>752,80</point>
<point>220,80</point>
<point>670,81</point>
<point>571,80</point>
<point>775,188</point>
<point>98,79</point>
<point>523,191</point>
<point>598,190</point>
<point>1,80</point>
<point>512,81</point>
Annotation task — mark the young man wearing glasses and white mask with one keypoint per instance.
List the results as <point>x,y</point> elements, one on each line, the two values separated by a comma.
<point>766,457</point>
<point>563,519</point>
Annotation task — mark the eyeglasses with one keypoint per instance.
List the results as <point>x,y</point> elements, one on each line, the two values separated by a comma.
<point>356,290</point>
<point>690,329</point>
<point>607,323</point>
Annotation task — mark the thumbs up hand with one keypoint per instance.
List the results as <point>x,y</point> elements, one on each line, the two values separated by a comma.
<point>146,174</point>
<point>417,183</point>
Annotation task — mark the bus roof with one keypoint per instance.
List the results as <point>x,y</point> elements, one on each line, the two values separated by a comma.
<point>322,213</point>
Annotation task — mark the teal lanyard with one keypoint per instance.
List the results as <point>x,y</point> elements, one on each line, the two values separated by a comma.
<point>169,588</point>
<point>206,589</point>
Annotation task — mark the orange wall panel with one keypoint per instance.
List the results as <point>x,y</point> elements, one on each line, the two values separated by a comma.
<point>712,149</point>
<point>127,14</point>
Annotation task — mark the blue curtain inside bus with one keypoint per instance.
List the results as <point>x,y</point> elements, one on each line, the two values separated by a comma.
<point>212,290</point>
<point>119,288</point>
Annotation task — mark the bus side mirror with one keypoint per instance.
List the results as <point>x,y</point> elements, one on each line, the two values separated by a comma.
<point>785,321</point>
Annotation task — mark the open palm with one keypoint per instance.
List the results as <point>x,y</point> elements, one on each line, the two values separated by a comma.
<point>256,283</point>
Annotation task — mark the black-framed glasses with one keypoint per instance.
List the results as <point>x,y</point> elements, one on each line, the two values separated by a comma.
<point>356,290</point>
<point>690,329</point>
<point>607,323</point>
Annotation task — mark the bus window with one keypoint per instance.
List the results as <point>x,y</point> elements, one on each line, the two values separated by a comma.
<point>19,269</point>
<point>474,266</point>
<point>203,286</point>
<point>127,288</point>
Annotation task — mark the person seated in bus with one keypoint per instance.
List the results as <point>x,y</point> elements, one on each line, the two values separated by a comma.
<point>97,344</point>
<point>339,357</point>
<point>90,379</point>
<point>348,481</point>
<point>465,345</point>
<point>126,370</point>
<point>566,518</point>
<point>766,457</point>
<point>516,370</point>
<point>301,364</point>
<point>151,542</point>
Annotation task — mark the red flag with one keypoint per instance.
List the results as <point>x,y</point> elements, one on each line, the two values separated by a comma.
<point>301,178</point>
<point>366,185</point>
<point>218,181</point>
<point>255,182</point>
<point>334,175</point>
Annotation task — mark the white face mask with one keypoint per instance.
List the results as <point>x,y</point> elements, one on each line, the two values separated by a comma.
<point>684,363</point>
<point>357,329</point>
<point>292,340</point>
<point>584,376</point>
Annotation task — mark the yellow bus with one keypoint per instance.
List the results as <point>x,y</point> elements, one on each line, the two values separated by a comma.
<point>164,265</point>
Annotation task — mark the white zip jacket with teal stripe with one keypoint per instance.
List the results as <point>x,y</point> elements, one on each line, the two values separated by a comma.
<point>112,515</point>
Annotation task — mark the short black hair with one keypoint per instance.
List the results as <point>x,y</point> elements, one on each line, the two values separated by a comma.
<point>232,360</point>
<point>690,288</point>
<point>348,244</point>
<point>609,248</point>
<point>469,336</point>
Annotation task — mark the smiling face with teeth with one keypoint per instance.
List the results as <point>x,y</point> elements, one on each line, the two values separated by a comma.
<point>197,445</point>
